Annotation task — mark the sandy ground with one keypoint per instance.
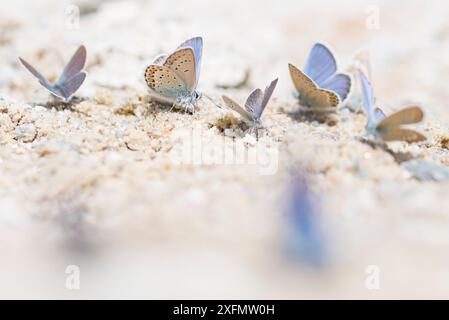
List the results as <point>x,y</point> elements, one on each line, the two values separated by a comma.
<point>110,184</point>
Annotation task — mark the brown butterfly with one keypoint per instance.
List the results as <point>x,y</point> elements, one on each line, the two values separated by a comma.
<point>173,78</point>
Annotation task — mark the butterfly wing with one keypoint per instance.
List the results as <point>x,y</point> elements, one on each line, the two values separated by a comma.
<point>405,116</point>
<point>253,102</point>
<point>266,95</point>
<point>340,84</point>
<point>44,82</point>
<point>306,239</point>
<point>165,81</point>
<point>237,108</point>
<point>35,73</point>
<point>368,99</point>
<point>196,44</point>
<point>321,64</point>
<point>160,59</point>
<point>395,133</point>
<point>75,65</point>
<point>309,92</point>
<point>390,130</point>
<point>182,62</point>
<point>69,87</point>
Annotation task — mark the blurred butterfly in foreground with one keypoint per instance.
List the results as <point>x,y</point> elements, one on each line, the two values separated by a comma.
<point>172,78</point>
<point>320,86</point>
<point>254,106</point>
<point>306,240</point>
<point>389,128</point>
<point>71,79</point>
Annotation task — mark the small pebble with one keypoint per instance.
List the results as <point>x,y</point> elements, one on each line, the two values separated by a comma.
<point>229,132</point>
<point>25,133</point>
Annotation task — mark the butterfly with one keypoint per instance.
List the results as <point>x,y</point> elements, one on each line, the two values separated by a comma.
<point>360,61</point>
<point>389,128</point>
<point>173,78</point>
<point>254,106</point>
<point>70,80</point>
<point>306,240</point>
<point>320,86</point>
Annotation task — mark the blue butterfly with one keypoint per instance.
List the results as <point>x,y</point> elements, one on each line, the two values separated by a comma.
<point>254,106</point>
<point>320,86</point>
<point>71,79</point>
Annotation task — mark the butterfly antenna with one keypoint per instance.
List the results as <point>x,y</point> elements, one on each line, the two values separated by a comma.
<point>172,107</point>
<point>212,100</point>
<point>276,113</point>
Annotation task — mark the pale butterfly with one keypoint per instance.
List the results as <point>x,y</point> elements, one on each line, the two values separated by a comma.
<point>389,128</point>
<point>254,106</point>
<point>173,78</point>
<point>320,86</point>
<point>71,78</point>
<point>360,61</point>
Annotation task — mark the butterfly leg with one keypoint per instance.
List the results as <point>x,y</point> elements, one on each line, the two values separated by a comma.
<point>211,100</point>
<point>177,102</point>
<point>172,107</point>
<point>193,108</point>
<point>187,107</point>
<point>253,130</point>
<point>256,128</point>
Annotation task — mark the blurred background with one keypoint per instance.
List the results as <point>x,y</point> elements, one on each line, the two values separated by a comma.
<point>100,200</point>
